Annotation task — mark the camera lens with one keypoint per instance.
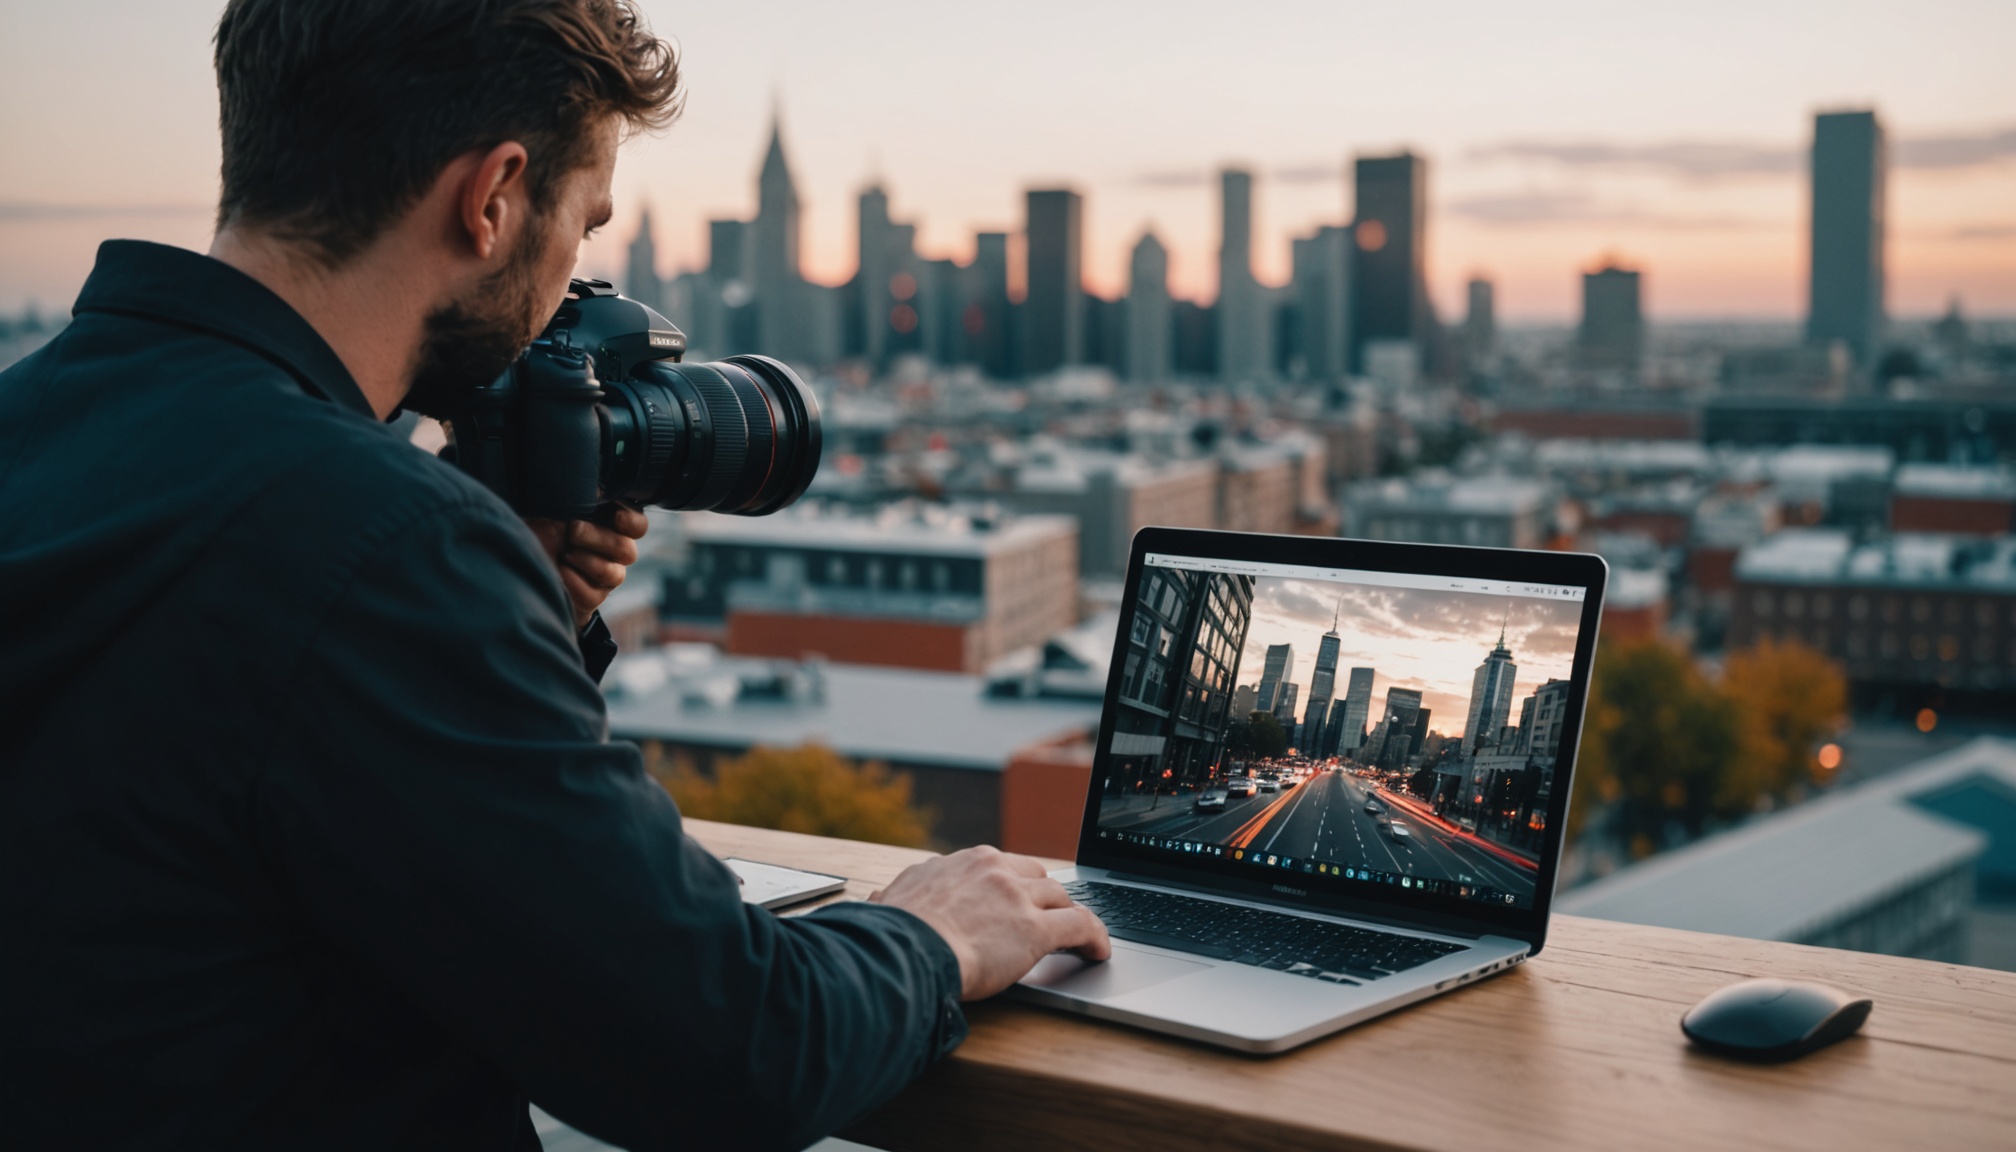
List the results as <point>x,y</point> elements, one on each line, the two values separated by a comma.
<point>739,435</point>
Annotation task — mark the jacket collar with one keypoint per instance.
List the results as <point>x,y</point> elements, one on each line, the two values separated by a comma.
<point>183,288</point>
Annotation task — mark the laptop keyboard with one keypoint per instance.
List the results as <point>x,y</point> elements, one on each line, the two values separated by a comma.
<point>1297,945</point>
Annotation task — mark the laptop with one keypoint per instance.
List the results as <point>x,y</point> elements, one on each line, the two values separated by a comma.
<point>1331,780</point>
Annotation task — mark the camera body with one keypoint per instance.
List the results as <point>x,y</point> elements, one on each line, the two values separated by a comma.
<point>600,410</point>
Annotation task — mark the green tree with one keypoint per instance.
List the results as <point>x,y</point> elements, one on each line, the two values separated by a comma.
<point>1659,740</point>
<point>1266,736</point>
<point>807,789</point>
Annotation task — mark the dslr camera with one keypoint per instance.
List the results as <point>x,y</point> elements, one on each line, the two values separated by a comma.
<point>600,410</point>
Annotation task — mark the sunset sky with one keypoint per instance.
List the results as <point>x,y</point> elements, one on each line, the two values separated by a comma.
<point>1672,137</point>
<point>1430,640</point>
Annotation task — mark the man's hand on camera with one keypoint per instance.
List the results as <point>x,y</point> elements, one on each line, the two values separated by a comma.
<point>591,558</point>
<point>999,912</point>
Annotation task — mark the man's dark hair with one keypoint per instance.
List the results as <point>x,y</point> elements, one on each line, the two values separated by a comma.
<point>337,115</point>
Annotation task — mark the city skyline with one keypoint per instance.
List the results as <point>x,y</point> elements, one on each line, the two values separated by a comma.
<point>1584,152</point>
<point>1431,641</point>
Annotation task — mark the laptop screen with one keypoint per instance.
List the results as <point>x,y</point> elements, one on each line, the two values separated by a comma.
<point>1377,729</point>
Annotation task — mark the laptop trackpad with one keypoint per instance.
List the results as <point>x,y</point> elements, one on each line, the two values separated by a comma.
<point>1128,971</point>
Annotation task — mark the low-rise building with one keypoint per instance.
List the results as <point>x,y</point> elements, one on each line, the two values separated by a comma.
<point>1974,500</point>
<point>1907,864</point>
<point>944,731</point>
<point>1907,611</point>
<point>1494,511</point>
<point>910,585</point>
<point>1112,495</point>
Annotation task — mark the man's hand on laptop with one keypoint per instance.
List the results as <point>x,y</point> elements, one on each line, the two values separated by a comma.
<point>1000,913</point>
<point>591,558</point>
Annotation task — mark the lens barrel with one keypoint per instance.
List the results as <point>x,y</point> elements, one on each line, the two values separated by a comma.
<point>740,436</point>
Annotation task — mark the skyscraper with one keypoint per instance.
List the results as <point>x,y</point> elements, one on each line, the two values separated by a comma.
<point>1490,697</point>
<point>1403,712</point>
<point>994,341</point>
<point>1321,683</point>
<point>1357,709</point>
<point>872,260</point>
<point>782,325</point>
<point>1242,313</point>
<point>1845,289</point>
<point>728,251</point>
<point>1053,311</point>
<point>1284,706</point>
<point>1322,293</point>
<point>1613,321</point>
<point>640,271</point>
<point>1280,659</point>
<point>1149,339</point>
<point>1389,298</point>
<point>1480,322</point>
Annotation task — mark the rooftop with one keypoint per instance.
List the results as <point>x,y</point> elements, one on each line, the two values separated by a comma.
<point>1788,875</point>
<point>1903,559</point>
<point>1956,481</point>
<point>912,527</point>
<point>1507,495</point>
<point>690,693</point>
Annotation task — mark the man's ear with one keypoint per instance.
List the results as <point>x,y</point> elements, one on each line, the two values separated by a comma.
<point>494,199</point>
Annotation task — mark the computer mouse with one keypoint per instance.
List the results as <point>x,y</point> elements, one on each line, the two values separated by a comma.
<point>1770,1020</point>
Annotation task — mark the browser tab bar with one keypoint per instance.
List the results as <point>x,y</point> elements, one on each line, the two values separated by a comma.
<point>1365,576</point>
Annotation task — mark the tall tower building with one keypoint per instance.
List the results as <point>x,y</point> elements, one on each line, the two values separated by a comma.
<point>995,340</point>
<point>776,276</point>
<point>1242,307</point>
<point>872,252</point>
<point>1280,660</point>
<point>1490,697</point>
<point>640,270</point>
<point>1389,299</point>
<point>1053,311</point>
<point>1322,294</point>
<point>1149,340</point>
<point>1284,706</point>
<point>728,251</point>
<point>1845,290</point>
<point>1322,683</point>
<point>1357,709</point>
<point>1613,320</point>
<point>1480,321</point>
<point>1403,714</point>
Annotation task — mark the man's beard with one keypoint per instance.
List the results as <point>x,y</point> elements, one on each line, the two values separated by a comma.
<point>467,344</point>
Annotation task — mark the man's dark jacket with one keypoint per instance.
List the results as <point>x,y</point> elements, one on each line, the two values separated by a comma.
<point>311,834</point>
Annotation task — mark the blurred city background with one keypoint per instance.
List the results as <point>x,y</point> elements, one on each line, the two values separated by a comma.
<point>1728,297</point>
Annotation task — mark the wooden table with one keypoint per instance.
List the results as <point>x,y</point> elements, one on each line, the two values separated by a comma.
<point>1580,1048</point>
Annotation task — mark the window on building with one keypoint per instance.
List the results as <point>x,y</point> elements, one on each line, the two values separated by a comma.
<point>1761,604</point>
<point>1144,630</point>
<point>1858,608</point>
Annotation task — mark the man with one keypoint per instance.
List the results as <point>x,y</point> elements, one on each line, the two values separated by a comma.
<point>310,832</point>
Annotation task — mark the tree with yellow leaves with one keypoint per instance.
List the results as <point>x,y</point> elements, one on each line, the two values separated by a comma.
<point>1675,750</point>
<point>808,789</point>
<point>1792,698</point>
